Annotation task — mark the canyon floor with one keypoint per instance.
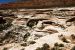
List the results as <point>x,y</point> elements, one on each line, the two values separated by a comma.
<point>37,29</point>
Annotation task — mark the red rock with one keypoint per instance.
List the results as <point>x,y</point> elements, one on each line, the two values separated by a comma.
<point>39,4</point>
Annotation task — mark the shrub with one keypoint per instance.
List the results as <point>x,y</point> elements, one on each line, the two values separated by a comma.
<point>24,44</point>
<point>65,40</point>
<point>26,35</point>
<point>32,42</point>
<point>53,48</point>
<point>73,36</point>
<point>31,23</point>
<point>56,44</point>
<point>38,48</point>
<point>73,48</point>
<point>45,47</point>
<point>61,45</point>
<point>22,49</point>
<point>5,49</point>
<point>4,26</point>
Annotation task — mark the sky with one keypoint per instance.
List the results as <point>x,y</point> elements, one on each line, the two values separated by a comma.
<point>6,1</point>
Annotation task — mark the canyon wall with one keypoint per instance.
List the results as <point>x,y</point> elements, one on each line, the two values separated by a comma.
<point>39,4</point>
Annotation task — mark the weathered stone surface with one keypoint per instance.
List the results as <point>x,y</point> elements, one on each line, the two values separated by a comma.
<point>53,28</point>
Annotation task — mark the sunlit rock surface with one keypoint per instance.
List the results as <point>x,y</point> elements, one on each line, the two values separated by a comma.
<point>37,29</point>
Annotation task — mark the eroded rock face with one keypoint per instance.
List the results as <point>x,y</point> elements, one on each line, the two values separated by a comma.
<point>43,30</point>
